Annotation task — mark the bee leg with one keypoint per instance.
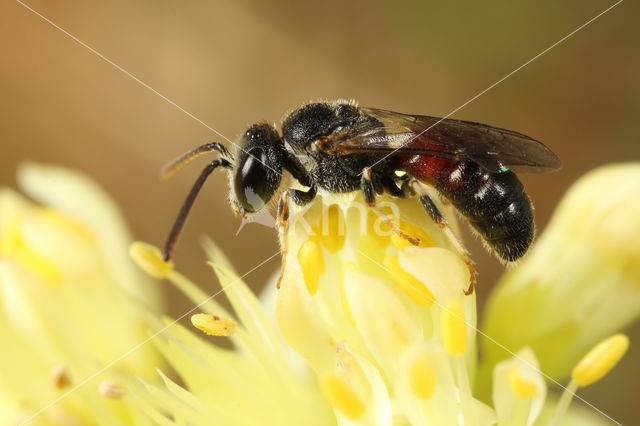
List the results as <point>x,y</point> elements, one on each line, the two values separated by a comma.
<point>302,198</point>
<point>391,187</point>
<point>299,197</point>
<point>406,189</point>
<point>369,195</point>
<point>436,215</point>
<point>283,225</point>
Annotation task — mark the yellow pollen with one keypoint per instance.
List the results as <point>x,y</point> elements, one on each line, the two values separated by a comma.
<point>333,230</point>
<point>519,386</point>
<point>600,360</point>
<point>312,264</point>
<point>410,285</point>
<point>454,328</point>
<point>421,377</point>
<point>149,259</point>
<point>213,325</point>
<point>110,390</point>
<point>343,397</point>
<point>59,377</point>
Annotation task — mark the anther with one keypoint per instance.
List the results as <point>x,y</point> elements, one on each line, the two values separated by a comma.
<point>312,264</point>
<point>454,328</point>
<point>59,376</point>
<point>410,285</point>
<point>149,259</point>
<point>213,325</point>
<point>600,360</point>
<point>422,377</point>
<point>343,397</point>
<point>521,388</point>
<point>110,390</point>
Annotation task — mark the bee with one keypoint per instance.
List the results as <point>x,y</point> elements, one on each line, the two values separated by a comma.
<point>339,147</point>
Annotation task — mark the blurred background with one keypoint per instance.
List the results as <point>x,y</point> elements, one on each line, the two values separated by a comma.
<point>233,63</point>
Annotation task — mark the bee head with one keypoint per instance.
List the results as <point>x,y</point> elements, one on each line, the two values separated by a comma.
<point>258,170</point>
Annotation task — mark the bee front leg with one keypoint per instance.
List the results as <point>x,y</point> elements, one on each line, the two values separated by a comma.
<point>282,220</point>
<point>436,215</point>
<point>369,195</point>
<point>299,197</point>
<point>302,198</point>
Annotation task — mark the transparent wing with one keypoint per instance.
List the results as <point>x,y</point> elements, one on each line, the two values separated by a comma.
<point>403,134</point>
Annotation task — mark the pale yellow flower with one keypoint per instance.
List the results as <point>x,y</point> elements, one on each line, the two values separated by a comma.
<point>581,281</point>
<point>71,303</point>
<point>369,329</point>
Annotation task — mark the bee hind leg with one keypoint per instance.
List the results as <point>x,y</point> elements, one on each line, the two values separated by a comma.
<point>439,219</point>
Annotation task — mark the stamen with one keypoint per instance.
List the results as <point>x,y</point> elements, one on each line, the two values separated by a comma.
<point>519,386</point>
<point>343,397</point>
<point>409,284</point>
<point>110,390</point>
<point>312,264</point>
<point>300,323</point>
<point>591,368</point>
<point>149,259</point>
<point>333,229</point>
<point>213,325</point>
<point>600,360</point>
<point>468,414</point>
<point>349,266</point>
<point>454,329</point>
<point>422,377</point>
<point>59,376</point>
<point>563,404</point>
<point>386,322</point>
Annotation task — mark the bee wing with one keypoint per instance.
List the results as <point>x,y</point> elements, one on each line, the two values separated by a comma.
<point>403,134</point>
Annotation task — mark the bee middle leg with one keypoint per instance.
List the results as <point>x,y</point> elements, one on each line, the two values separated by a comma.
<point>369,195</point>
<point>439,219</point>
<point>391,186</point>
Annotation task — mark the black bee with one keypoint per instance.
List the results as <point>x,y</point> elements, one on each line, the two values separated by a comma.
<point>339,147</point>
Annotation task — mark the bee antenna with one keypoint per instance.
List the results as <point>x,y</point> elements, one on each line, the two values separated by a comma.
<point>176,165</point>
<point>188,203</point>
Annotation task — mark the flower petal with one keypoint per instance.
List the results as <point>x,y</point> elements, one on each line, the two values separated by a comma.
<point>519,390</point>
<point>385,322</point>
<point>581,281</point>
<point>79,196</point>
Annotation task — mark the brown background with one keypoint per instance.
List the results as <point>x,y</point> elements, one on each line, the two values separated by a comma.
<point>235,63</point>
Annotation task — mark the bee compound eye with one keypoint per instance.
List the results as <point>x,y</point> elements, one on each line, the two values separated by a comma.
<point>251,181</point>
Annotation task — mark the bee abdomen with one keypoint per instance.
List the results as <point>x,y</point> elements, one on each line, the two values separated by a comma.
<point>495,204</point>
